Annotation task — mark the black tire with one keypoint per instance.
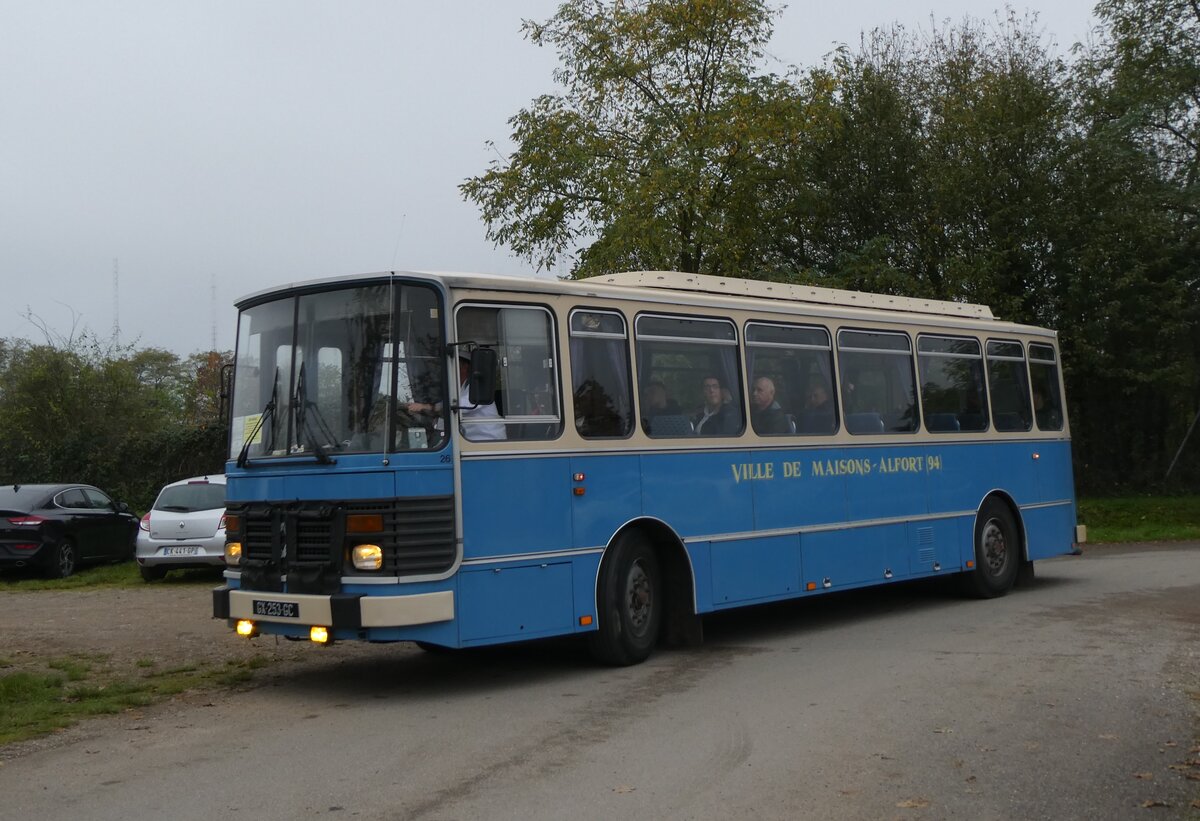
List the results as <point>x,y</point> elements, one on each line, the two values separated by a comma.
<point>152,574</point>
<point>62,559</point>
<point>630,604</point>
<point>997,552</point>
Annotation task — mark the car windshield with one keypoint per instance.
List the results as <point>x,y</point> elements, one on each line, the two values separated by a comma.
<point>330,372</point>
<point>191,497</point>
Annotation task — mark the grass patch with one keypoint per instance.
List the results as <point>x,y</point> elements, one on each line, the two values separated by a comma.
<point>125,574</point>
<point>62,691</point>
<point>1141,518</point>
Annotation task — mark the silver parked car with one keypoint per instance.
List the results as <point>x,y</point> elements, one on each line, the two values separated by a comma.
<point>184,528</point>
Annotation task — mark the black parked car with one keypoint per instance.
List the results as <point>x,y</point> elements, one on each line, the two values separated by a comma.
<point>59,527</point>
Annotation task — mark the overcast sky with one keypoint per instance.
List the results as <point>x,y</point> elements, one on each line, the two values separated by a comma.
<point>210,149</point>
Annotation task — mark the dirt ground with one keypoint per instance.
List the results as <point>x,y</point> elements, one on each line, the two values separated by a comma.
<point>169,624</point>
<point>126,629</point>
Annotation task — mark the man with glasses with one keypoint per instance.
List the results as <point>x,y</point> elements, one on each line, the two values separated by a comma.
<point>715,417</point>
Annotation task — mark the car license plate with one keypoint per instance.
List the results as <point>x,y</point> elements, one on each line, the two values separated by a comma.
<point>187,550</point>
<point>278,609</point>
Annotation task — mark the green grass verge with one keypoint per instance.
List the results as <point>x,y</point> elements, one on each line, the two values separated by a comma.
<point>60,692</point>
<point>1141,518</point>
<point>125,574</point>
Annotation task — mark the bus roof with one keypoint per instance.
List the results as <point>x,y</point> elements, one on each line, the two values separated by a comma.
<point>692,289</point>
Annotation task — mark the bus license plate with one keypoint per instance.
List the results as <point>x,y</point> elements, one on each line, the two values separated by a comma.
<point>278,609</point>
<point>188,550</point>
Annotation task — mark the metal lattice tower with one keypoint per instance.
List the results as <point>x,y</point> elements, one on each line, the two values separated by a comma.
<point>213,298</point>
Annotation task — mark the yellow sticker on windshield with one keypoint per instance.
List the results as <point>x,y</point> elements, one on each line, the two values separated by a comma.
<point>250,426</point>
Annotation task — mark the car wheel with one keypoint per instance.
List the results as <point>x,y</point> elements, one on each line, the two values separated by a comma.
<point>62,560</point>
<point>152,574</point>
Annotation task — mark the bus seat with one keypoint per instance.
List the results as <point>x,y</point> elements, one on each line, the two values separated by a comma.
<point>864,423</point>
<point>972,421</point>
<point>941,422</point>
<point>1010,421</point>
<point>815,422</point>
<point>671,424</point>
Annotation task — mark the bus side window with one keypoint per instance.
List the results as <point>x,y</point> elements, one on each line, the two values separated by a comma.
<point>952,392</point>
<point>1047,401</point>
<point>677,357</point>
<point>600,383</point>
<point>1008,384</point>
<point>526,403</point>
<point>879,388</point>
<point>799,361</point>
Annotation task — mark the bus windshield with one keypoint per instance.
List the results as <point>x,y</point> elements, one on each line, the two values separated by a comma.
<point>330,372</point>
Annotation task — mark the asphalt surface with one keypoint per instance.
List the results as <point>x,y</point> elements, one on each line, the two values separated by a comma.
<point>1076,696</point>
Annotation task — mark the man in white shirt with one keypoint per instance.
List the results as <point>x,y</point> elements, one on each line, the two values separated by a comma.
<point>478,430</point>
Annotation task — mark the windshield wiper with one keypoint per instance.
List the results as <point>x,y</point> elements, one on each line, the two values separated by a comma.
<point>268,410</point>
<point>302,405</point>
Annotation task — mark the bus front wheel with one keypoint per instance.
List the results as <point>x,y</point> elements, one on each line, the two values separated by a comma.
<point>630,603</point>
<point>997,552</point>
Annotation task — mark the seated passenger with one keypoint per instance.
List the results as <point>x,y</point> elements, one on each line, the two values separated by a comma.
<point>656,402</point>
<point>818,400</point>
<point>1048,418</point>
<point>715,417</point>
<point>765,413</point>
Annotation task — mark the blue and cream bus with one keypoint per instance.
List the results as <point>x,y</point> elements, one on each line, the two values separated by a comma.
<point>461,460</point>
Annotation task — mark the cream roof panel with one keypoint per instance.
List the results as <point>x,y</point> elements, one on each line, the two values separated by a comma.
<point>676,281</point>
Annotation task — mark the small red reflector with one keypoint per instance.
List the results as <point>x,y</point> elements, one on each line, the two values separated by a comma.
<point>579,491</point>
<point>24,547</point>
<point>585,620</point>
<point>970,564</point>
<point>810,586</point>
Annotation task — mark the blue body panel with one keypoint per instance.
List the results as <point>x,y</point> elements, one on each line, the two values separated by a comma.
<point>757,525</point>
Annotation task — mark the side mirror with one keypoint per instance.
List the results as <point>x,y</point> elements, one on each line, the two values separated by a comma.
<point>482,379</point>
<point>122,507</point>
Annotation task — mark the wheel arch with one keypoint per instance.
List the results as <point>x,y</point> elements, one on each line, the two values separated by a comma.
<point>1006,499</point>
<point>681,623</point>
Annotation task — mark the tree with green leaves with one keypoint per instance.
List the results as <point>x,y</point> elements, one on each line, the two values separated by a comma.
<point>657,149</point>
<point>126,419</point>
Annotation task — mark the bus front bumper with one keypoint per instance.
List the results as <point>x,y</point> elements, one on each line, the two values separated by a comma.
<point>340,610</point>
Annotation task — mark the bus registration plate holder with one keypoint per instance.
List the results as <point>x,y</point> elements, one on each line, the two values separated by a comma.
<point>276,609</point>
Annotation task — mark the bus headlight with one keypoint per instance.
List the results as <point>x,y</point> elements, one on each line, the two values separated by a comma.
<point>233,553</point>
<point>367,557</point>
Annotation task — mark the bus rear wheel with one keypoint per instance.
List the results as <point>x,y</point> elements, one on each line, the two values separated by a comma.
<point>630,604</point>
<point>997,552</point>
